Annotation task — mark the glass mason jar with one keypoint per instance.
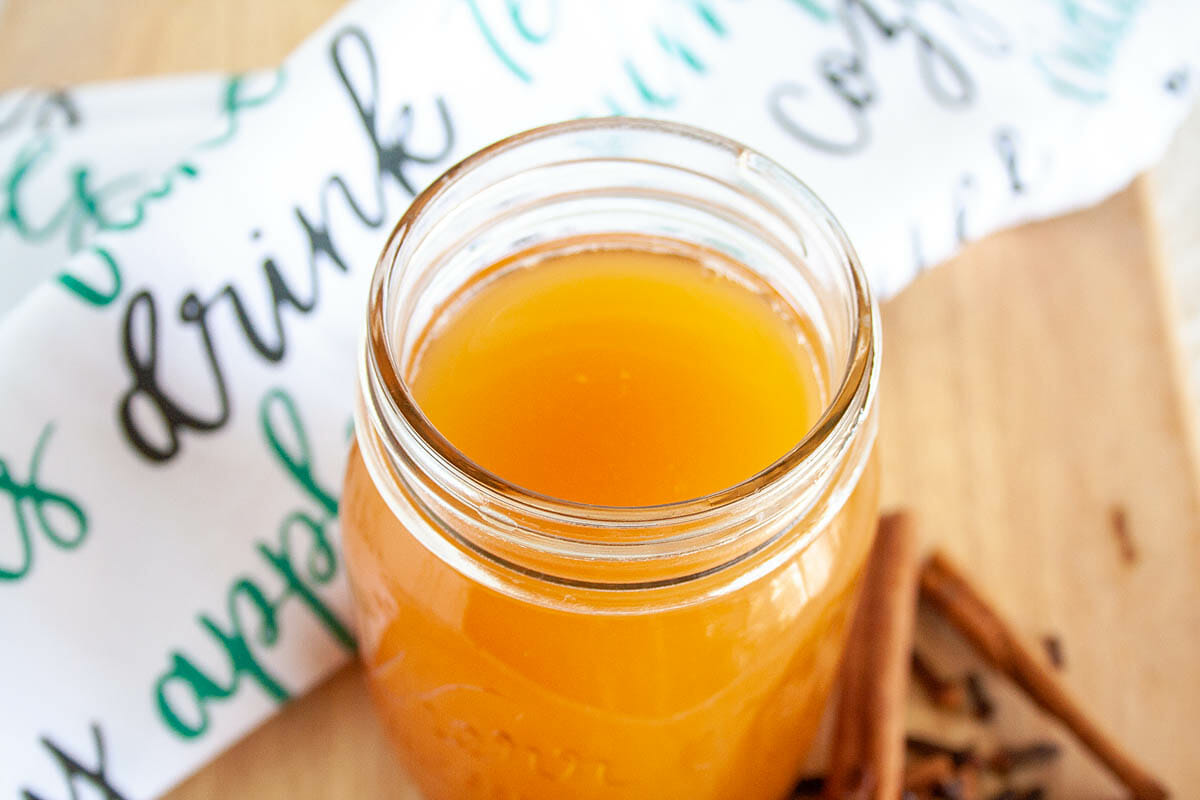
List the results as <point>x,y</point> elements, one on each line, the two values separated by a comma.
<point>519,646</point>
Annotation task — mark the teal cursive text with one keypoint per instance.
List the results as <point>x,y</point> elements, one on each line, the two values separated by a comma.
<point>301,559</point>
<point>1077,67</point>
<point>116,205</point>
<point>54,514</point>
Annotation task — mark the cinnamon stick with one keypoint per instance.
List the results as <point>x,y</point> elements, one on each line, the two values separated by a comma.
<point>982,705</point>
<point>868,739</point>
<point>952,594</point>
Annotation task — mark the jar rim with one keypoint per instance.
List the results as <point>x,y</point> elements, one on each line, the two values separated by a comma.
<point>845,412</point>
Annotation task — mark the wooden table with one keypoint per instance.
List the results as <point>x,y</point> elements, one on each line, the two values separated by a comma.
<point>1032,389</point>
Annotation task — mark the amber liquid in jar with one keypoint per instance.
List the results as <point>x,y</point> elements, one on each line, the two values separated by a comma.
<point>619,372</point>
<point>614,370</point>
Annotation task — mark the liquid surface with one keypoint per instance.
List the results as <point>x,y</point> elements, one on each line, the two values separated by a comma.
<point>619,377</point>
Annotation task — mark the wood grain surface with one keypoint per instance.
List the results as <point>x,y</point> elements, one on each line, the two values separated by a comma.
<point>1031,394</point>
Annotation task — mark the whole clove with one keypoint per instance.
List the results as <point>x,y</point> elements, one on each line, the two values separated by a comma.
<point>921,746</point>
<point>809,786</point>
<point>1033,793</point>
<point>950,790</point>
<point>1119,523</point>
<point>926,773</point>
<point>1008,759</point>
<point>1054,650</point>
<point>982,705</point>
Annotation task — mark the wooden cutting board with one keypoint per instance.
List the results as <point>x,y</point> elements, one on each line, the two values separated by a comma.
<point>1032,391</point>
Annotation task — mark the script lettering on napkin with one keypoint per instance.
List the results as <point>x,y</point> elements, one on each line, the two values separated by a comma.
<point>183,692</point>
<point>848,78</point>
<point>76,773</point>
<point>150,414</point>
<point>508,33</point>
<point>88,206</point>
<point>1079,64</point>
<point>58,517</point>
<point>41,108</point>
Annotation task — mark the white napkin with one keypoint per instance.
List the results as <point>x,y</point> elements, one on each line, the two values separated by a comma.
<point>175,397</point>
